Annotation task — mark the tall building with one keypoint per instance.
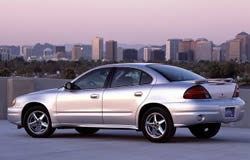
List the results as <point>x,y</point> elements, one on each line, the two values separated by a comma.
<point>26,52</point>
<point>140,54</point>
<point>77,52</point>
<point>97,48</point>
<point>203,50</point>
<point>119,54</point>
<point>186,45</point>
<point>130,55</point>
<point>248,48</point>
<point>216,54</point>
<point>172,49</point>
<point>186,50</point>
<point>233,50</point>
<point>47,52</point>
<point>59,51</point>
<point>243,37</point>
<point>5,54</point>
<point>157,55</point>
<point>146,54</point>
<point>111,50</point>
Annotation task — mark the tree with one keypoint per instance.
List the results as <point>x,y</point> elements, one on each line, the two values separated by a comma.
<point>69,73</point>
<point>5,72</point>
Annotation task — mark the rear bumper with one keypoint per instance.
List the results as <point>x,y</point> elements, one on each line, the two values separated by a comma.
<point>206,111</point>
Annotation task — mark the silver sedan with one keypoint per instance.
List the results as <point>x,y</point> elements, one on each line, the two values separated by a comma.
<point>152,98</point>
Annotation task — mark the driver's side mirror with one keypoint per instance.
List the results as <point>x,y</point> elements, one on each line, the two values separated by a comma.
<point>68,86</point>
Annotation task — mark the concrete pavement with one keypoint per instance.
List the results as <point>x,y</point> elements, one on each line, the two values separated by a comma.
<point>230,143</point>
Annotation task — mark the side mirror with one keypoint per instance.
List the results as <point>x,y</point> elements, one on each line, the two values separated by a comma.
<point>68,86</point>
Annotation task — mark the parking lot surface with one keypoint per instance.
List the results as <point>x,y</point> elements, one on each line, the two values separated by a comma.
<point>230,143</point>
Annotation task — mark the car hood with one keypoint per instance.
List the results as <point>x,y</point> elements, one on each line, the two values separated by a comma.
<point>47,91</point>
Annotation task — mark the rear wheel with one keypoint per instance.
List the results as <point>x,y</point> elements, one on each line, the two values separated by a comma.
<point>205,130</point>
<point>86,131</point>
<point>157,125</point>
<point>37,122</point>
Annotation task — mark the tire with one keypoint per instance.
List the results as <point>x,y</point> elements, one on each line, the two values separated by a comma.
<point>38,126</point>
<point>157,125</point>
<point>86,131</point>
<point>205,130</point>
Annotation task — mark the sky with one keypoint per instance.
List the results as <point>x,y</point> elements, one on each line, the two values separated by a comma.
<point>127,21</point>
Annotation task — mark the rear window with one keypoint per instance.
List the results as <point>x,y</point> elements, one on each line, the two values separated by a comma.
<point>172,73</point>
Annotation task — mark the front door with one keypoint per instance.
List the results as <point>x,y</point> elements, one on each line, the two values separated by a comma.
<point>83,105</point>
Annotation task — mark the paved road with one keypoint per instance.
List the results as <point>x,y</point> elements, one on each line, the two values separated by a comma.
<point>230,143</point>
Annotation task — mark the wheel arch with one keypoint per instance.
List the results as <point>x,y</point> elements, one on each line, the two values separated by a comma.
<point>28,106</point>
<point>146,107</point>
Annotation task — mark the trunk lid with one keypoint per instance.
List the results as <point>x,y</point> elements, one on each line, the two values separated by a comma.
<point>218,88</point>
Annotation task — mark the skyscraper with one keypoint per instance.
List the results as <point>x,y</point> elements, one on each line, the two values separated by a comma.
<point>5,54</point>
<point>243,37</point>
<point>248,48</point>
<point>147,54</point>
<point>186,50</point>
<point>130,55</point>
<point>97,48</point>
<point>119,54</point>
<point>233,50</point>
<point>26,52</point>
<point>59,51</point>
<point>216,54</point>
<point>203,50</point>
<point>111,50</point>
<point>172,49</point>
<point>77,52</point>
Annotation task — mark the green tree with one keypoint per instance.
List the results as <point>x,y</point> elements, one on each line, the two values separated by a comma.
<point>69,73</point>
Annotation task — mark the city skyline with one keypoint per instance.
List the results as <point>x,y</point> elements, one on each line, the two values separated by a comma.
<point>132,21</point>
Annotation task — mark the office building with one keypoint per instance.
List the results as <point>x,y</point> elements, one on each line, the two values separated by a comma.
<point>172,49</point>
<point>233,50</point>
<point>119,54</point>
<point>243,37</point>
<point>97,48</point>
<point>111,50</point>
<point>47,52</point>
<point>146,54</point>
<point>26,52</point>
<point>77,52</point>
<point>5,54</point>
<point>216,54</point>
<point>130,55</point>
<point>59,52</point>
<point>203,50</point>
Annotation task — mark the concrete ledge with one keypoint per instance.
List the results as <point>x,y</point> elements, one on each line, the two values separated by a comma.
<point>3,98</point>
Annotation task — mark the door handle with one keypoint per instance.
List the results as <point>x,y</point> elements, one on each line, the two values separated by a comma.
<point>138,94</point>
<point>94,96</point>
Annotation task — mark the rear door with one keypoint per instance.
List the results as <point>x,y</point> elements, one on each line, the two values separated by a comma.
<point>128,89</point>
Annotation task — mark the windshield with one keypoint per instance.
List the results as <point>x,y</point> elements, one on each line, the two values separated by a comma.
<point>172,73</point>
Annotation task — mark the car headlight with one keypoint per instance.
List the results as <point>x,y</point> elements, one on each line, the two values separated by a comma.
<point>13,102</point>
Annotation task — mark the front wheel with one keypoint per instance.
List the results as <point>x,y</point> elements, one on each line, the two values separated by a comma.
<point>37,122</point>
<point>157,125</point>
<point>205,130</point>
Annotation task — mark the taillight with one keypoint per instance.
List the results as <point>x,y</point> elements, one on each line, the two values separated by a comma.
<point>236,91</point>
<point>196,92</point>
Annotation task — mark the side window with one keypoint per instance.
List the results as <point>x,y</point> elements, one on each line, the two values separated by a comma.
<point>145,79</point>
<point>93,80</point>
<point>126,77</point>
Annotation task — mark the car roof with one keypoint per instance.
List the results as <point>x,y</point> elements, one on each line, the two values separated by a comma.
<point>127,64</point>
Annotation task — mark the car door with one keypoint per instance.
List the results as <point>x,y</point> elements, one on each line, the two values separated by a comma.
<point>83,105</point>
<point>128,89</point>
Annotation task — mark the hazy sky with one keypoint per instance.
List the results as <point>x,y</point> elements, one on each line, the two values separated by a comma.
<point>128,21</point>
